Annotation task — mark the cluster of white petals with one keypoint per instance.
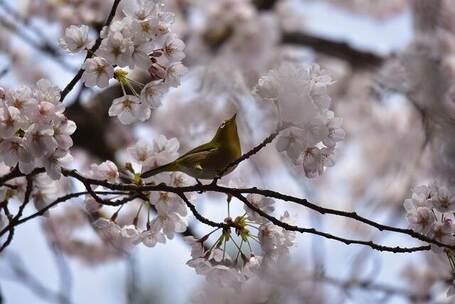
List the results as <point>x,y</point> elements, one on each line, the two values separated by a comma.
<point>106,171</point>
<point>430,211</point>
<point>300,94</point>
<point>141,39</point>
<point>169,213</point>
<point>217,265</point>
<point>281,281</point>
<point>75,39</point>
<point>150,155</point>
<point>34,132</point>
<point>168,209</point>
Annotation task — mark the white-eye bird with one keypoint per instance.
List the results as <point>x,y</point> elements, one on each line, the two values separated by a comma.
<point>208,160</point>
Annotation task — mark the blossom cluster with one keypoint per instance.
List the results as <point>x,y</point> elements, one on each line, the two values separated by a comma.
<point>300,95</point>
<point>220,268</point>
<point>34,132</point>
<point>430,212</point>
<point>169,209</point>
<point>141,39</point>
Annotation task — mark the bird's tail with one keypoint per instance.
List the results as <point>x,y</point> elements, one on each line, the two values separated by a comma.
<point>163,168</point>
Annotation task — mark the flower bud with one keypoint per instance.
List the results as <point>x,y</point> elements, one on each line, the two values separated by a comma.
<point>157,72</point>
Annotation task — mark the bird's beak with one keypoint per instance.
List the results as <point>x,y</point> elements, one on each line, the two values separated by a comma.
<point>233,117</point>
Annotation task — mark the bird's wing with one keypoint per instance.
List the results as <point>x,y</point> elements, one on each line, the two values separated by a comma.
<point>202,148</point>
<point>195,158</point>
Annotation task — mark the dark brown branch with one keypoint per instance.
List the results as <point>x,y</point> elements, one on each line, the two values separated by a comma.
<point>234,192</point>
<point>342,50</point>
<point>351,215</point>
<point>377,287</point>
<point>289,227</point>
<point>264,4</point>
<point>65,274</point>
<point>28,280</point>
<point>15,173</point>
<point>10,227</point>
<point>199,216</point>
<point>46,49</point>
<point>90,52</point>
<point>55,203</point>
<point>247,155</point>
<point>4,71</point>
<point>9,176</point>
<point>27,24</point>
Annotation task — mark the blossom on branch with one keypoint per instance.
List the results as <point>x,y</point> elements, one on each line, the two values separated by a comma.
<point>34,131</point>
<point>302,104</point>
<point>75,39</point>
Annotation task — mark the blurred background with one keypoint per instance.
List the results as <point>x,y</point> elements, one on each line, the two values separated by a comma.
<point>392,64</point>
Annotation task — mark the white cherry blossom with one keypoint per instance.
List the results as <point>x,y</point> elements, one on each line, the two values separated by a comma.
<point>117,49</point>
<point>151,238</point>
<point>97,71</point>
<point>173,48</point>
<point>105,171</point>
<point>54,161</point>
<point>10,120</point>
<point>169,224</point>
<point>46,91</point>
<point>265,204</point>
<point>129,109</point>
<point>153,93</point>
<point>173,74</point>
<point>75,38</point>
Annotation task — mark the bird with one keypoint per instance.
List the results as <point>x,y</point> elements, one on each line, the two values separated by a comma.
<point>208,160</point>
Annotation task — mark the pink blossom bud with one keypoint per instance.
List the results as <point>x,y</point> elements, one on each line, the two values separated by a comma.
<point>157,71</point>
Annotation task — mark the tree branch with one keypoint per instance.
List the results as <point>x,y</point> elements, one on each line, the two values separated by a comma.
<point>11,226</point>
<point>372,286</point>
<point>356,58</point>
<point>90,52</point>
<point>268,193</point>
<point>247,155</point>
<point>346,241</point>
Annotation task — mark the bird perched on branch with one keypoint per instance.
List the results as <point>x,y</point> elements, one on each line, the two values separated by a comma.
<point>208,160</point>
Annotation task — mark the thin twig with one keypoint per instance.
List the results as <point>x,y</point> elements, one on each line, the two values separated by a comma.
<point>247,155</point>
<point>346,241</point>
<point>4,71</point>
<point>90,53</point>
<point>65,275</point>
<point>10,226</point>
<point>31,282</point>
<point>53,204</point>
<point>377,287</point>
<point>234,191</point>
<point>199,216</point>
<point>45,49</point>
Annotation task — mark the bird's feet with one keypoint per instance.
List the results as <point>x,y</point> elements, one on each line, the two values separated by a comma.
<point>199,184</point>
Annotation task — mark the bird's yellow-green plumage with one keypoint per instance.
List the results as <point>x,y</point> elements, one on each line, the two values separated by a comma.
<point>207,160</point>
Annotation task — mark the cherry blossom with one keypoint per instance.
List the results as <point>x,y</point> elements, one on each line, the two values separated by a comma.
<point>312,131</point>
<point>97,71</point>
<point>262,203</point>
<point>34,131</point>
<point>129,109</point>
<point>75,38</point>
<point>105,171</point>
